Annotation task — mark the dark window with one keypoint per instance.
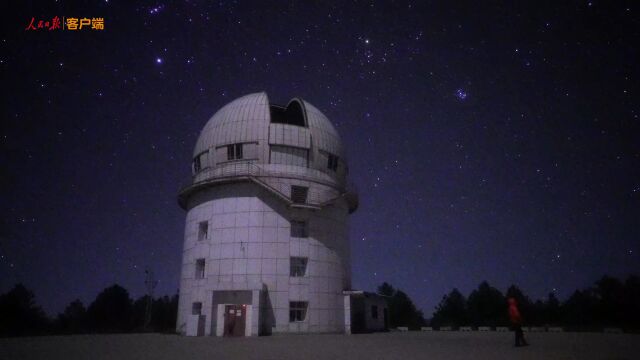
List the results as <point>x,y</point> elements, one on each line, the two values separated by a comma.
<point>203,230</point>
<point>234,152</point>
<point>196,308</point>
<point>299,229</point>
<point>239,151</point>
<point>299,194</point>
<point>200,269</point>
<point>196,164</point>
<point>297,311</point>
<point>298,266</point>
<point>332,162</point>
<point>230,153</point>
<point>374,311</point>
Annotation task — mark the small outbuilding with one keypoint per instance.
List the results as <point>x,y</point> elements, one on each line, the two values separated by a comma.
<point>365,312</point>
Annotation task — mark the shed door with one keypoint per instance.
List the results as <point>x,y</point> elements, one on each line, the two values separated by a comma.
<point>386,318</point>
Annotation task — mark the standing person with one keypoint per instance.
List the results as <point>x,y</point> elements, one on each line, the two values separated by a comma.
<point>516,321</point>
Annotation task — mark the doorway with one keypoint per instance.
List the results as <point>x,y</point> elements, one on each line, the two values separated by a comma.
<point>386,319</point>
<point>235,320</point>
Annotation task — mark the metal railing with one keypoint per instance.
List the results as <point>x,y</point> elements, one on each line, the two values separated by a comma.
<point>269,179</point>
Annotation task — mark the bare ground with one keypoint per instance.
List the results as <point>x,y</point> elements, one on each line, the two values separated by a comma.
<point>411,345</point>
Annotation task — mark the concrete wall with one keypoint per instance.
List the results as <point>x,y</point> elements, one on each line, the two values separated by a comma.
<point>371,323</point>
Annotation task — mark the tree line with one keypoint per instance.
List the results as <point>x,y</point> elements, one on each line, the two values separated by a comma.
<point>610,302</point>
<point>112,311</point>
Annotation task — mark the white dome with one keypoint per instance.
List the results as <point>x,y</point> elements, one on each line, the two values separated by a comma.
<point>249,138</point>
<point>296,138</point>
<point>247,119</point>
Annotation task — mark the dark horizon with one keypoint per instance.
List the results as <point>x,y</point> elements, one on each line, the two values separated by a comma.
<point>497,143</point>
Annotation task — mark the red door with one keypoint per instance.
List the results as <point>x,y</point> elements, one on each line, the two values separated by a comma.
<point>234,320</point>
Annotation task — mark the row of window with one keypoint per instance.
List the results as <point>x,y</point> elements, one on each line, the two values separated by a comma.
<point>234,152</point>
<point>299,229</point>
<point>297,267</point>
<point>297,310</point>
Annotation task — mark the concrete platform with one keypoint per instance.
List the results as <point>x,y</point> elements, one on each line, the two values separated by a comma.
<point>397,345</point>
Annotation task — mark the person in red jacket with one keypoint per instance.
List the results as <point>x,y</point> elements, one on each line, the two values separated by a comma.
<point>516,321</point>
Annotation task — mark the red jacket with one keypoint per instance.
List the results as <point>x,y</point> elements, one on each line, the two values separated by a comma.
<point>514,314</point>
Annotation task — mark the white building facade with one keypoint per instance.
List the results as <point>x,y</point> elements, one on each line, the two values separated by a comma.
<point>266,246</point>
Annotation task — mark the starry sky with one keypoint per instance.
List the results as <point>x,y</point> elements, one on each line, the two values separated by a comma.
<point>494,141</point>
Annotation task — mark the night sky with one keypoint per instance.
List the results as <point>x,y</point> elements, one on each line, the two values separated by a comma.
<point>488,141</point>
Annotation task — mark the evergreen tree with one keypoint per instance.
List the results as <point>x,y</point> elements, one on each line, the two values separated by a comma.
<point>631,302</point>
<point>552,310</point>
<point>73,320</point>
<point>111,311</point>
<point>452,310</point>
<point>580,308</point>
<point>19,314</point>
<point>486,306</point>
<point>610,310</point>
<point>402,310</point>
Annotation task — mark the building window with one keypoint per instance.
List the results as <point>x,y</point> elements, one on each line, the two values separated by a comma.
<point>200,269</point>
<point>203,230</point>
<point>196,308</point>
<point>299,229</point>
<point>374,311</point>
<point>197,166</point>
<point>299,194</point>
<point>234,152</point>
<point>297,266</point>
<point>332,162</point>
<point>297,311</point>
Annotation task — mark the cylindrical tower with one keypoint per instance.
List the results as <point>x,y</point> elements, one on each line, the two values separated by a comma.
<point>266,245</point>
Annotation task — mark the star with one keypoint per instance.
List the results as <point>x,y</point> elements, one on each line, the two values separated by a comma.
<point>461,94</point>
<point>158,60</point>
<point>156,9</point>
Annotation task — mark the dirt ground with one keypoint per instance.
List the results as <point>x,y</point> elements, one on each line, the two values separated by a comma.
<point>411,345</point>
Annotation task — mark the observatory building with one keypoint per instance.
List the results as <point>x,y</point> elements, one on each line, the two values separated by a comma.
<point>266,246</point>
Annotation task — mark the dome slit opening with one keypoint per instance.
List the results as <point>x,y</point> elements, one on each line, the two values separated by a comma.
<point>293,114</point>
